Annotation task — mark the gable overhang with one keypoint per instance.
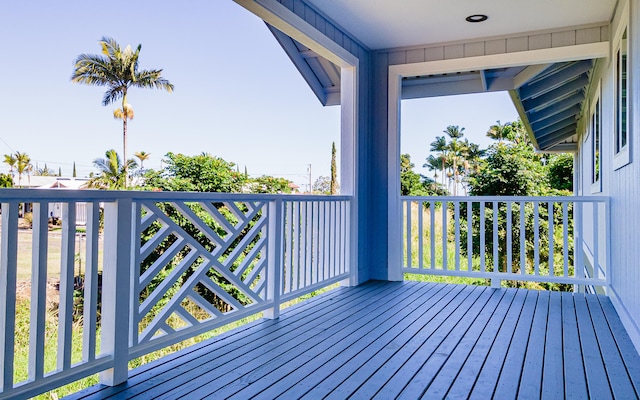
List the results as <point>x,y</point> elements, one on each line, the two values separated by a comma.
<point>551,103</point>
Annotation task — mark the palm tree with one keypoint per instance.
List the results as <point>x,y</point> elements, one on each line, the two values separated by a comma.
<point>142,156</point>
<point>440,146</point>
<point>10,160</point>
<point>23,165</point>
<point>112,174</point>
<point>117,69</point>
<point>433,164</point>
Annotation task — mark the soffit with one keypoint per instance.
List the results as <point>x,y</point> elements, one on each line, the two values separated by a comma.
<point>384,24</point>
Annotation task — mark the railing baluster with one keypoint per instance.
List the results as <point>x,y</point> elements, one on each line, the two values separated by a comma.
<point>470,235</point>
<point>8,271</point>
<point>483,266</point>
<point>420,235</point>
<point>408,205</point>
<point>40,232</point>
<point>565,234</point>
<point>596,238</point>
<point>90,301</point>
<point>523,248</point>
<point>65,308</point>
<point>536,238</point>
<point>577,245</point>
<point>496,243</point>
<point>509,237</point>
<point>432,233</point>
<point>295,270</point>
<point>309,244</point>
<point>456,206</point>
<point>445,253</point>
<point>551,242</point>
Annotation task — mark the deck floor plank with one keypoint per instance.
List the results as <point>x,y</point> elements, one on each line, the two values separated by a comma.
<point>512,339</point>
<point>338,372</point>
<point>378,370</point>
<point>492,345</point>
<point>597,382</point>
<point>407,340</point>
<point>244,366</point>
<point>623,341</point>
<point>185,361</point>
<point>575,381</point>
<point>619,379</point>
<point>322,349</point>
<point>532,371</point>
<point>476,338</point>
<point>450,347</point>
<point>433,351</point>
<point>552,382</point>
<point>302,380</point>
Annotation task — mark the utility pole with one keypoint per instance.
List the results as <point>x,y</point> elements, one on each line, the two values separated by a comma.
<point>309,165</point>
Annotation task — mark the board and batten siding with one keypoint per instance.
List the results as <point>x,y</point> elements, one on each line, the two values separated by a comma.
<point>622,185</point>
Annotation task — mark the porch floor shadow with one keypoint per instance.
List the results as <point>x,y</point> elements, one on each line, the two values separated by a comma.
<point>409,340</point>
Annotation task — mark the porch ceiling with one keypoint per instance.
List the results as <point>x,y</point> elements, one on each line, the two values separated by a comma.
<point>383,24</point>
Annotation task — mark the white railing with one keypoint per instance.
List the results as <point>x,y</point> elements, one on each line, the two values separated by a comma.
<point>508,238</point>
<point>158,268</point>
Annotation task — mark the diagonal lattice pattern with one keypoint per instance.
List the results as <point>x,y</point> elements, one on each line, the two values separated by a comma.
<point>199,261</point>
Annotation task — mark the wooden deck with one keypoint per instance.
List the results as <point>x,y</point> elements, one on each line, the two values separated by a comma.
<point>407,340</point>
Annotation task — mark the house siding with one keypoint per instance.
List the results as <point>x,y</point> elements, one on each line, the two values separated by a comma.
<point>621,185</point>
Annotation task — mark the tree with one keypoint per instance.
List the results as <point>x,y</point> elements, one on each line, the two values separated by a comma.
<point>6,180</point>
<point>200,173</point>
<point>322,185</point>
<point>23,165</point>
<point>117,69</point>
<point>333,185</point>
<point>413,184</point>
<point>142,156</point>
<point>44,171</point>
<point>560,172</point>
<point>112,175</point>
<point>10,160</point>
<point>74,170</point>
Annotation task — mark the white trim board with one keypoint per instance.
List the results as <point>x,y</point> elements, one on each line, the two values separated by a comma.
<point>399,71</point>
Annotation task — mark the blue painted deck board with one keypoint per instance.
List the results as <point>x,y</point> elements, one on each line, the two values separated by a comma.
<point>407,340</point>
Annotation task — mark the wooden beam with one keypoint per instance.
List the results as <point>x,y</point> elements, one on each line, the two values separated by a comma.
<point>529,73</point>
<point>555,79</point>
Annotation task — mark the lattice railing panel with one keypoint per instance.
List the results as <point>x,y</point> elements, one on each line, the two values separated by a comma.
<point>198,262</point>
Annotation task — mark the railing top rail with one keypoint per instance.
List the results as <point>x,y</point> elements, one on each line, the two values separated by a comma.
<point>28,195</point>
<point>577,199</point>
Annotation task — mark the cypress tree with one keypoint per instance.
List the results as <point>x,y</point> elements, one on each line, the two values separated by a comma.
<point>334,183</point>
<point>74,169</point>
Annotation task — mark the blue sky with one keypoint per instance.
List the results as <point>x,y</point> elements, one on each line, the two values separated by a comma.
<point>236,96</point>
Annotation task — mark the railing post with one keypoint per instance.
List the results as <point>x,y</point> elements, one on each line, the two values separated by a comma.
<point>116,289</point>
<point>8,271</point>
<point>274,257</point>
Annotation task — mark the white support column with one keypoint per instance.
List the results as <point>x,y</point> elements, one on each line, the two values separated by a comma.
<point>348,164</point>
<point>394,209</point>
<point>116,290</point>
<point>274,257</point>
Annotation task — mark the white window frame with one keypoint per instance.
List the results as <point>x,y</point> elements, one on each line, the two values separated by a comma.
<point>621,152</point>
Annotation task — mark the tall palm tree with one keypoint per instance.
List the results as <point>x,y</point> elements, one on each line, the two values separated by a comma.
<point>439,146</point>
<point>117,69</point>
<point>112,175</point>
<point>142,156</point>
<point>10,160</point>
<point>23,165</point>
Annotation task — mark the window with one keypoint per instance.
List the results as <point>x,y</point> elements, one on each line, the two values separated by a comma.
<point>596,147</point>
<point>621,145</point>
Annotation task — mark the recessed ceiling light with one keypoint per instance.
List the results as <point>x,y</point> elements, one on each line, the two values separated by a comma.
<point>476,18</point>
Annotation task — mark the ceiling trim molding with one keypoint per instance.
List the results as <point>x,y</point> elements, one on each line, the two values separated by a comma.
<point>530,57</point>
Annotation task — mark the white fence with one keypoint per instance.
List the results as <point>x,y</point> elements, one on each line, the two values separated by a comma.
<point>172,266</point>
<point>546,239</point>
